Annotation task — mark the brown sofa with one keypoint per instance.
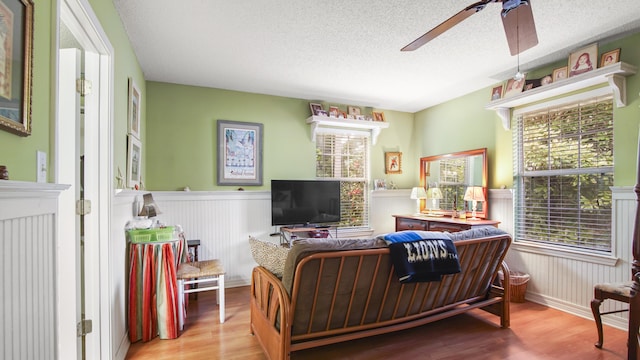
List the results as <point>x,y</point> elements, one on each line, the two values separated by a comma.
<point>335,290</point>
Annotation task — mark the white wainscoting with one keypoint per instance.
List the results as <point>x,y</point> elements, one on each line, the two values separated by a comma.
<point>28,303</point>
<point>223,222</point>
<point>567,283</point>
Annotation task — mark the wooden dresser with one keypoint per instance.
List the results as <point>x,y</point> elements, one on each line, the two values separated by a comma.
<point>430,223</point>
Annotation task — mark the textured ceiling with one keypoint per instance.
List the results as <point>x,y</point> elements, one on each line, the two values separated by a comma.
<point>348,52</point>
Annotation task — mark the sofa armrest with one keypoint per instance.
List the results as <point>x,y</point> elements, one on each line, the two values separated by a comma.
<point>270,313</point>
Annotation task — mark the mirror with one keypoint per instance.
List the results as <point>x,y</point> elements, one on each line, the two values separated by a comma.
<point>448,177</point>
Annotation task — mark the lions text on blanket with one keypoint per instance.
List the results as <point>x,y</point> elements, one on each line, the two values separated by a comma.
<point>417,256</point>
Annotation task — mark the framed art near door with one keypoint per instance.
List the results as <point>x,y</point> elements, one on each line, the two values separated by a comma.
<point>16,57</point>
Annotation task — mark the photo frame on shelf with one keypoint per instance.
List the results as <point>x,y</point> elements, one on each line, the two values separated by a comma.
<point>334,111</point>
<point>353,110</point>
<point>17,47</point>
<point>583,60</point>
<point>133,109</point>
<point>239,153</point>
<point>378,116</point>
<point>610,57</point>
<point>514,87</point>
<point>496,93</point>
<point>379,184</point>
<point>393,163</point>
<point>315,108</point>
<point>559,73</point>
<point>134,161</point>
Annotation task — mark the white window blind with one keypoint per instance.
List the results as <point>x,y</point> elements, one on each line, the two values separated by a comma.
<point>345,157</point>
<point>563,159</point>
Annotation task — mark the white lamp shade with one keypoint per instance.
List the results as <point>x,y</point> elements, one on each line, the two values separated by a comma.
<point>418,193</point>
<point>474,193</point>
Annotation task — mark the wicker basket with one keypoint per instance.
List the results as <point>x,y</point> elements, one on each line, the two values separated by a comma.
<point>518,286</point>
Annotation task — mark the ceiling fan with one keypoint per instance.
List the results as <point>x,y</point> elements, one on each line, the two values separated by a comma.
<point>517,20</point>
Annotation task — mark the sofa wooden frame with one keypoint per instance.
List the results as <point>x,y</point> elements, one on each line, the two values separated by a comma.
<point>273,311</point>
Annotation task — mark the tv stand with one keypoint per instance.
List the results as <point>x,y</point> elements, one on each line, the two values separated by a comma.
<point>290,233</point>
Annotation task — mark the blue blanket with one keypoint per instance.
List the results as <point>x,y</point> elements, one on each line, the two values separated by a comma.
<point>418,259</point>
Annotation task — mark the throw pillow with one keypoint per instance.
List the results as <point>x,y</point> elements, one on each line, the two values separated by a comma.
<point>269,255</point>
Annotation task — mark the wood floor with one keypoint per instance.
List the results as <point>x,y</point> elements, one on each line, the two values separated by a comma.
<point>536,332</point>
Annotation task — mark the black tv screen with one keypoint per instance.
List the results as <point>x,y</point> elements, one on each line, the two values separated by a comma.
<point>305,202</point>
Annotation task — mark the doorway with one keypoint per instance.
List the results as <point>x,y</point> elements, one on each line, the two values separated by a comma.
<point>84,63</point>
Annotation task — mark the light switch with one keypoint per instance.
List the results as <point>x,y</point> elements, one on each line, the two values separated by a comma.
<point>41,167</point>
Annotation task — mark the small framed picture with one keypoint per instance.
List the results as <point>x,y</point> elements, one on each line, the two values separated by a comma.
<point>315,108</point>
<point>514,87</point>
<point>559,74</point>
<point>496,93</point>
<point>353,110</point>
<point>583,60</point>
<point>610,57</point>
<point>393,163</point>
<point>133,109</point>
<point>379,184</point>
<point>378,116</point>
<point>334,111</point>
<point>134,159</point>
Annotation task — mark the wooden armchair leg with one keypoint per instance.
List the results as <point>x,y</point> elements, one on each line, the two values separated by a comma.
<point>595,308</point>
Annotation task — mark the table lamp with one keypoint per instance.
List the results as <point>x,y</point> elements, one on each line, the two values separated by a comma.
<point>474,194</point>
<point>418,193</point>
<point>434,194</point>
<point>149,206</point>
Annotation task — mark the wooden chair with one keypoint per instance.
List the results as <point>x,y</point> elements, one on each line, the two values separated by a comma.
<point>615,291</point>
<point>210,272</point>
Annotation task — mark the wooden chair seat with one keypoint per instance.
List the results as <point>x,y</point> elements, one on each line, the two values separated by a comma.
<point>210,272</point>
<point>615,291</point>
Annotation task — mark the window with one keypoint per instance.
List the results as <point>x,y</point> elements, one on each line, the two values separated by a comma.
<point>563,159</point>
<point>345,157</point>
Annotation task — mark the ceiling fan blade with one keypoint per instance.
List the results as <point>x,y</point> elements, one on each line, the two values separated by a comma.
<point>447,24</point>
<point>520,29</point>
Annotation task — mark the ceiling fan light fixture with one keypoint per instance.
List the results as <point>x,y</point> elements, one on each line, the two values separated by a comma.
<point>518,76</point>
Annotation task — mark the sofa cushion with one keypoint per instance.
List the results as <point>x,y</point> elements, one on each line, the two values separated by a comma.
<point>304,247</point>
<point>477,232</point>
<point>269,255</point>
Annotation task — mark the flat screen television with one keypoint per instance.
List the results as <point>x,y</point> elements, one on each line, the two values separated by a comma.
<point>305,202</point>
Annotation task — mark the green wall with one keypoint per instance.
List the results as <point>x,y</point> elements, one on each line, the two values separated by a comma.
<point>180,146</point>
<point>463,124</point>
<point>16,152</point>
<point>125,66</point>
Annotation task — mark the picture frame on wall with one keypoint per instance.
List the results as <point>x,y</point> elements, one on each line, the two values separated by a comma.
<point>16,17</point>
<point>393,163</point>
<point>133,109</point>
<point>134,161</point>
<point>239,153</point>
<point>610,57</point>
<point>583,60</point>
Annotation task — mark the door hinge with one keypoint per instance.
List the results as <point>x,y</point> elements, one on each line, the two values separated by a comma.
<point>83,87</point>
<point>83,207</point>
<point>84,327</point>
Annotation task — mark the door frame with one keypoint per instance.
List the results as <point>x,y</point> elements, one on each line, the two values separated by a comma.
<point>79,17</point>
